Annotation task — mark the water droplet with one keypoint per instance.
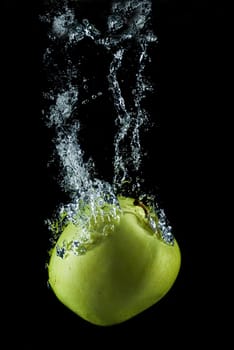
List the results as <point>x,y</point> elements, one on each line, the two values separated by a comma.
<point>152,224</point>
<point>85,102</point>
<point>48,285</point>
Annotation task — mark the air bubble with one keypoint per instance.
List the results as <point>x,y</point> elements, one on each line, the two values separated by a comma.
<point>60,251</point>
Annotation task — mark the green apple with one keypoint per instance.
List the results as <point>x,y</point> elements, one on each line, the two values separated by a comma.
<point>124,268</point>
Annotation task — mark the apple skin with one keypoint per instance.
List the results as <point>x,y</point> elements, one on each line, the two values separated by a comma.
<point>126,273</point>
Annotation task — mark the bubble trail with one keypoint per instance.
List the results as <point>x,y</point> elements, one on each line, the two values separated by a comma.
<point>128,34</point>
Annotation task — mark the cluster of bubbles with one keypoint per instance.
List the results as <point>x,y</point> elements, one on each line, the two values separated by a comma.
<point>128,28</point>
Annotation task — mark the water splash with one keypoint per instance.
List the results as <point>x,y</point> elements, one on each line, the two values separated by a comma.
<point>128,34</point>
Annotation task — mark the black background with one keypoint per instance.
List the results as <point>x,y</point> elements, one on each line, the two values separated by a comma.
<point>186,157</point>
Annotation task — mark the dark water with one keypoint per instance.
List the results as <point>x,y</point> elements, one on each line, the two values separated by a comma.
<point>190,80</point>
